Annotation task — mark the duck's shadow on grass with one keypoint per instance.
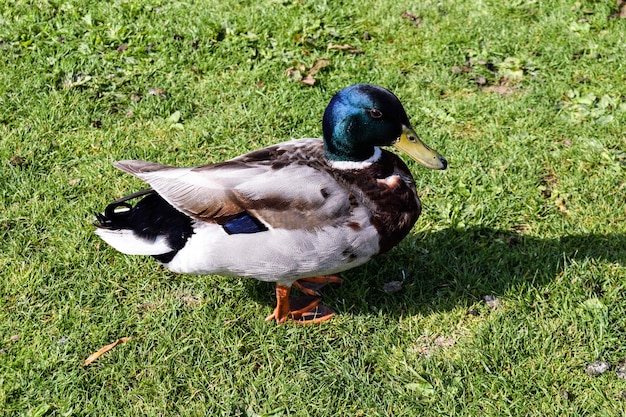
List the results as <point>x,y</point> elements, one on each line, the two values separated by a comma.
<point>447,269</point>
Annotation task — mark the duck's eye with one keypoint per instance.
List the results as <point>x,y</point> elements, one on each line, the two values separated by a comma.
<point>375,113</point>
<point>412,138</point>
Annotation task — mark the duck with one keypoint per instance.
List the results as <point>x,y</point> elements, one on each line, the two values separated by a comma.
<point>295,214</point>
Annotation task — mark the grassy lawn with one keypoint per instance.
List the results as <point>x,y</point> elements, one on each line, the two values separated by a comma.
<point>512,281</point>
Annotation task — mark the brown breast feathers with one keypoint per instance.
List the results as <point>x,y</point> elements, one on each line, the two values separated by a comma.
<point>387,189</point>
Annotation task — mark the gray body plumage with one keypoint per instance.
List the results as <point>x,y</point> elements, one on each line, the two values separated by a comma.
<point>316,224</point>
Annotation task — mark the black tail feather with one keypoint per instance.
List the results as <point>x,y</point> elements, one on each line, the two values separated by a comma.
<point>115,219</point>
<point>149,218</point>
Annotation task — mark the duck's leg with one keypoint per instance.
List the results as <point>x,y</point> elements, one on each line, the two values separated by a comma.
<point>303,310</point>
<point>313,285</point>
<point>281,312</point>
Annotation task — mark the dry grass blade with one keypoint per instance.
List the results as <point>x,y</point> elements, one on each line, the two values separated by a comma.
<point>94,356</point>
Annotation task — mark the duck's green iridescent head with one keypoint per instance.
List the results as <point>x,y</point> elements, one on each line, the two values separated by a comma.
<point>363,116</point>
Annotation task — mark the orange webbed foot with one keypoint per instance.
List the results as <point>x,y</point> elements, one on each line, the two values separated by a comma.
<point>302,310</point>
<point>309,310</point>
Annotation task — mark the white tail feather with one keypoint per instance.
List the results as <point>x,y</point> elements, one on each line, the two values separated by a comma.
<point>127,242</point>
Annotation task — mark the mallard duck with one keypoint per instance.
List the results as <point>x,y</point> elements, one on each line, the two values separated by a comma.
<point>296,213</point>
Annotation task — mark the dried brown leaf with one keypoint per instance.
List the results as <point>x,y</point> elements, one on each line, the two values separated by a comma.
<point>481,80</point>
<point>308,80</point>
<point>620,372</point>
<point>318,65</point>
<point>157,92</point>
<point>17,160</point>
<point>427,345</point>
<point>503,90</point>
<point>416,20</point>
<point>464,68</point>
<point>550,178</point>
<point>295,73</point>
<point>345,47</point>
<point>94,356</point>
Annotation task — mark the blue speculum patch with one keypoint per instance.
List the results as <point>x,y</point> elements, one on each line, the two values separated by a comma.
<point>244,223</point>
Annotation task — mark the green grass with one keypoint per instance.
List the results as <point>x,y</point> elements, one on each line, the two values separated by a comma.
<point>526,99</point>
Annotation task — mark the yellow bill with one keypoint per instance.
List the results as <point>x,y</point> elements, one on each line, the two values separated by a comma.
<point>412,145</point>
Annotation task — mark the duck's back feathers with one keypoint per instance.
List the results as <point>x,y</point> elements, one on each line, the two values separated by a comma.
<point>293,189</point>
